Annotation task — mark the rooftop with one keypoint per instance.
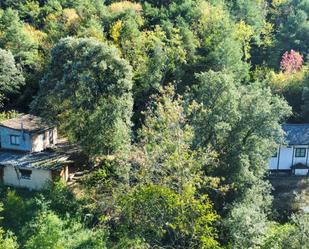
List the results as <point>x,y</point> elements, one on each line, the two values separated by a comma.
<point>297,134</point>
<point>27,122</point>
<point>39,160</point>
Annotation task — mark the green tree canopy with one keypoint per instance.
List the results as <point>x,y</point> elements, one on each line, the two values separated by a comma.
<point>87,90</point>
<point>11,77</point>
<point>15,37</point>
<point>165,218</point>
<point>240,122</point>
<point>48,231</point>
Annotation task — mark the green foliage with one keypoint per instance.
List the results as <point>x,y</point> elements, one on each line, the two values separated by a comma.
<point>16,209</point>
<point>241,123</point>
<point>163,217</point>
<point>220,47</point>
<point>292,29</point>
<point>252,12</point>
<point>247,222</point>
<point>15,38</point>
<point>163,154</point>
<point>305,97</point>
<point>164,206</point>
<point>48,231</point>
<point>293,88</point>
<point>8,115</point>
<point>93,66</point>
<point>277,235</point>
<point>127,243</point>
<point>11,78</point>
<point>7,241</point>
<point>87,90</point>
<point>62,200</point>
<point>296,231</point>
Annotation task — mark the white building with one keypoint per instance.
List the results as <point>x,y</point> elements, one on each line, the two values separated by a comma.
<point>293,157</point>
<point>24,158</point>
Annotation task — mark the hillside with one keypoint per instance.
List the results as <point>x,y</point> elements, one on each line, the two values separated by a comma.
<point>175,106</point>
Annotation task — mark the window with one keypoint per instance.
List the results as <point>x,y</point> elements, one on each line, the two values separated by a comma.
<point>275,154</point>
<point>25,174</point>
<point>300,152</point>
<point>15,140</point>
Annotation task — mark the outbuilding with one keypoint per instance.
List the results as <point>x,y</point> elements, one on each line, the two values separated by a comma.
<point>28,154</point>
<point>293,155</point>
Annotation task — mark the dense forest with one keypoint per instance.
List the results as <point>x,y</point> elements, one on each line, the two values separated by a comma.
<point>177,106</point>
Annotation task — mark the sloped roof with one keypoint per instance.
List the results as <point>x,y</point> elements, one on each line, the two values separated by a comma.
<point>296,134</point>
<point>27,122</point>
<point>39,160</point>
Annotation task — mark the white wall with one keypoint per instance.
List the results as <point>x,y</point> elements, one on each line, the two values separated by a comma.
<point>273,163</point>
<point>286,158</point>
<point>41,141</point>
<point>38,142</point>
<point>39,178</point>
<point>25,140</point>
<point>301,172</point>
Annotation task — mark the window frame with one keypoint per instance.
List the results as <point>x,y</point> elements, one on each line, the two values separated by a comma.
<point>15,139</point>
<point>298,153</point>
<point>275,155</point>
<point>25,174</point>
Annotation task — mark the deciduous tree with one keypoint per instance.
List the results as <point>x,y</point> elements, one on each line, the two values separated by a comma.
<point>11,77</point>
<point>87,90</point>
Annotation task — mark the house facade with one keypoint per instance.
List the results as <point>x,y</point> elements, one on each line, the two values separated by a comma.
<point>27,153</point>
<point>27,133</point>
<point>293,155</point>
<point>32,170</point>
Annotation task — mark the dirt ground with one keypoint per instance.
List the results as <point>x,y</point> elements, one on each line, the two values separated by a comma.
<point>291,194</point>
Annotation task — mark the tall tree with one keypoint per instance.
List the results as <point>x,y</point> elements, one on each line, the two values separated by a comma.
<point>291,25</point>
<point>11,77</point>
<point>241,122</point>
<point>14,37</point>
<point>164,144</point>
<point>87,90</point>
<point>165,180</point>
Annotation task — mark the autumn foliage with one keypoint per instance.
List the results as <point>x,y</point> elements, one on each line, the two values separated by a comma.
<point>291,62</point>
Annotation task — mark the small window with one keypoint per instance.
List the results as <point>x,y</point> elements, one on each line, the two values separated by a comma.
<point>15,140</point>
<point>300,152</point>
<point>25,174</point>
<point>275,154</point>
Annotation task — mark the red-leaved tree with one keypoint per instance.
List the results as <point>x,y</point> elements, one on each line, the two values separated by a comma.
<point>291,62</point>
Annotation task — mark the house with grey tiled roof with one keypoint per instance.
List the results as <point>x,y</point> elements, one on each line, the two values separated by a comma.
<point>293,155</point>
<point>27,153</point>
